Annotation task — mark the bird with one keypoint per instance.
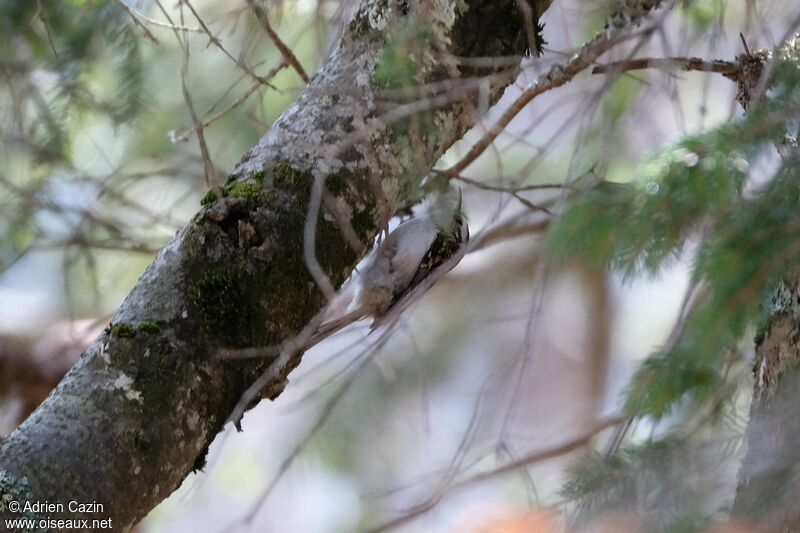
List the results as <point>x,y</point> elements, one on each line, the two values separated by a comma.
<point>406,263</point>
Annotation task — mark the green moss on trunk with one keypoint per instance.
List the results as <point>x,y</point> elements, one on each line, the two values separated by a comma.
<point>123,330</point>
<point>229,301</point>
<point>150,326</point>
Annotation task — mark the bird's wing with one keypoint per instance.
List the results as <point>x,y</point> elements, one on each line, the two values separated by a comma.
<point>443,255</point>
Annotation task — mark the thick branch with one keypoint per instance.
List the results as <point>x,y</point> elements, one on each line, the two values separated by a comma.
<point>139,410</point>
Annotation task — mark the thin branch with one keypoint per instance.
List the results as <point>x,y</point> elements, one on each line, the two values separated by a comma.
<point>510,190</point>
<point>506,232</point>
<point>462,86</point>
<point>285,51</point>
<point>310,240</point>
<point>208,166</point>
<point>543,455</point>
<point>136,21</point>
<point>344,223</point>
<point>238,102</point>
<point>726,68</point>
<point>534,457</point>
<point>289,350</point>
<point>515,191</point>
<point>168,25</point>
<point>356,366</point>
<point>298,448</point>
<point>558,75</point>
<point>216,42</point>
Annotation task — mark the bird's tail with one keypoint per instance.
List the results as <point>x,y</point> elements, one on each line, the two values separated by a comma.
<point>337,324</point>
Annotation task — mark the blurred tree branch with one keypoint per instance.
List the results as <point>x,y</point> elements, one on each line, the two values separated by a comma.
<point>29,370</point>
<point>22,378</point>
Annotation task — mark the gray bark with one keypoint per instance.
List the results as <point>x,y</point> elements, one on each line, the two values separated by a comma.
<point>137,413</point>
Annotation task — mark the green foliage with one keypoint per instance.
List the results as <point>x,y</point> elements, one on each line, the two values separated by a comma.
<point>70,41</point>
<point>741,262</point>
<point>127,93</point>
<point>64,65</point>
<point>657,481</point>
<point>664,378</point>
<point>748,242</point>
<point>640,226</point>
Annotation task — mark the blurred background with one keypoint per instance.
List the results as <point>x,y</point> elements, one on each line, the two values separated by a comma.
<point>508,355</point>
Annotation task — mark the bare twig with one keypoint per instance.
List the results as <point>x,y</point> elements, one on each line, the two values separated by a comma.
<point>534,457</point>
<point>216,42</point>
<point>208,166</point>
<point>744,44</point>
<point>288,352</point>
<point>355,368</point>
<point>285,51</point>
<point>135,19</point>
<point>298,448</point>
<point>510,190</point>
<point>558,75</point>
<point>236,103</point>
<point>344,223</point>
<point>310,240</point>
<point>507,231</point>
<point>726,68</point>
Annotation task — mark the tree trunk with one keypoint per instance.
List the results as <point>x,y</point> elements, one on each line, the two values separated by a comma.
<point>137,413</point>
<point>769,478</point>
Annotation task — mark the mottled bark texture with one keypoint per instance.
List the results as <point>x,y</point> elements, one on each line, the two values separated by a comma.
<point>136,414</point>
